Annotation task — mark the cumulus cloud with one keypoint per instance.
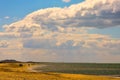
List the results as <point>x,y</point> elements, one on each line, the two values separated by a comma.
<point>3,44</point>
<point>72,41</point>
<point>90,13</point>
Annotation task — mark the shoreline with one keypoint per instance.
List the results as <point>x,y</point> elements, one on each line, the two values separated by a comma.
<point>33,69</point>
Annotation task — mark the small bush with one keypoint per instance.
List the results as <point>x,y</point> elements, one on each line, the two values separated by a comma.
<point>20,65</point>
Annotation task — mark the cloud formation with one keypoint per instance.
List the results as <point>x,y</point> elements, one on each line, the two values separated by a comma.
<point>90,13</point>
<point>3,44</point>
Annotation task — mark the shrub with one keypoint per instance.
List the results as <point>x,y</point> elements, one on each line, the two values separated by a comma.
<point>20,65</point>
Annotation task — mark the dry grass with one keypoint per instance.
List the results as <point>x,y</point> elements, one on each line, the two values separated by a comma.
<point>15,72</point>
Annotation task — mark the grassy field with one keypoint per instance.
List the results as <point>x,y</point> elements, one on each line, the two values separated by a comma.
<point>16,71</point>
<point>82,68</point>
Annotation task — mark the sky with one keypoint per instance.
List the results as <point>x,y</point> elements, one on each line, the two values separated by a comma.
<point>60,30</point>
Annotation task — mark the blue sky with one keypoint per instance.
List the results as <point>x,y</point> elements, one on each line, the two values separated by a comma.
<point>60,30</point>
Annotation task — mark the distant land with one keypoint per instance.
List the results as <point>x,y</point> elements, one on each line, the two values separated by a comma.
<point>9,61</point>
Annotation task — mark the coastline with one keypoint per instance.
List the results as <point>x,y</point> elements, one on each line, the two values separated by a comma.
<point>33,68</point>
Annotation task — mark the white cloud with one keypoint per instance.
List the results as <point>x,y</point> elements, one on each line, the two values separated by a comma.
<point>90,13</point>
<point>3,44</point>
<point>6,17</point>
<point>66,1</point>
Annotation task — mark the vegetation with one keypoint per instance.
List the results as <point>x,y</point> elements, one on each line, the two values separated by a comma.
<point>12,71</point>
